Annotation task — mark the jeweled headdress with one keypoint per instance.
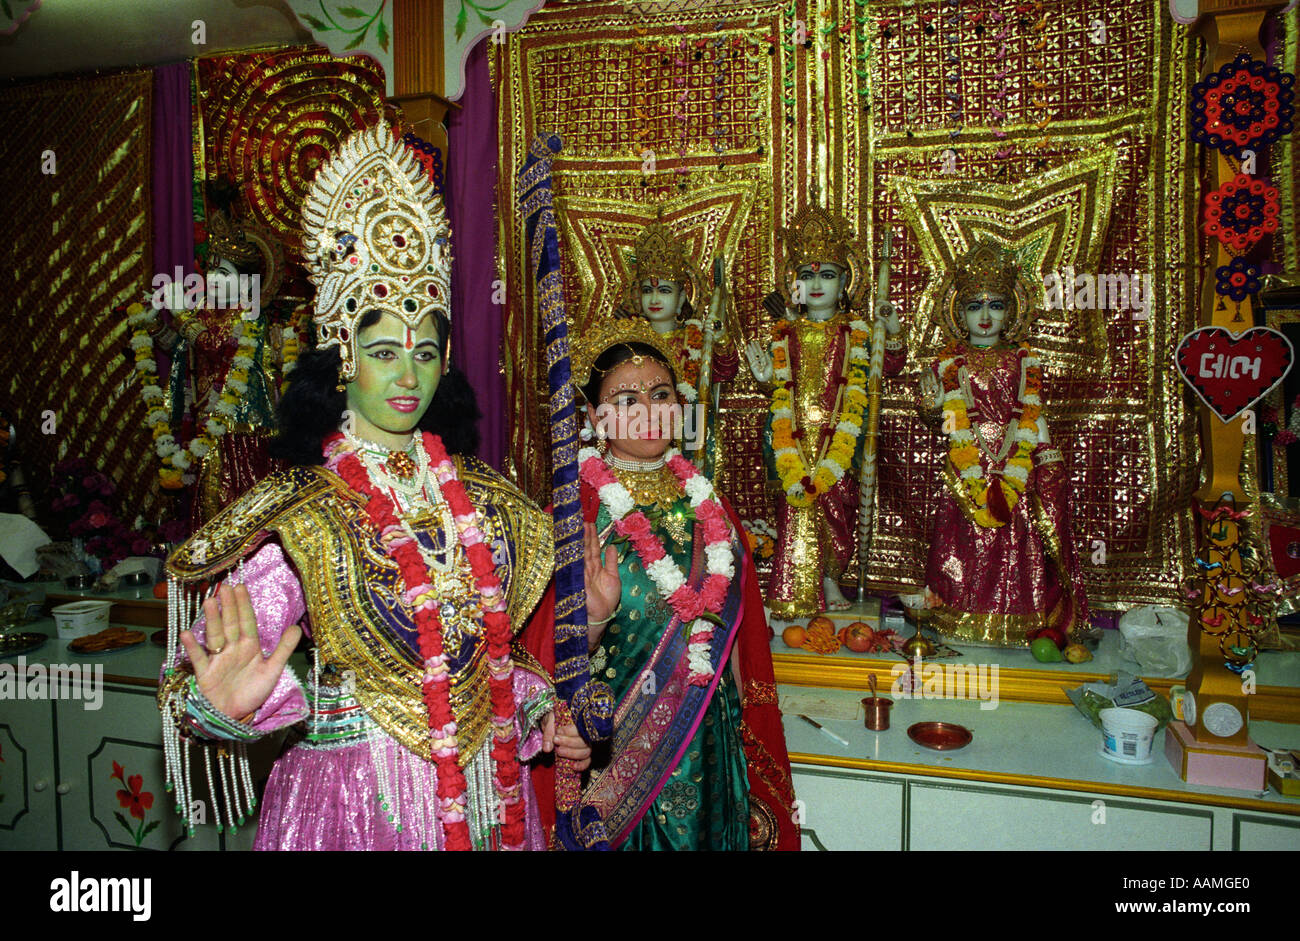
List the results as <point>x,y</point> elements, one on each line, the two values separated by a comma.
<point>986,268</point>
<point>659,254</point>
<point>242,243</point>
<point>817,236</point>
<point>612,330</point>
<point>375,237</point>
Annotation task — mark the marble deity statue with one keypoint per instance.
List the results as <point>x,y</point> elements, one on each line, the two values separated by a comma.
<point>1002,556</point>
<point>665,286</point>
<point>816,368</point>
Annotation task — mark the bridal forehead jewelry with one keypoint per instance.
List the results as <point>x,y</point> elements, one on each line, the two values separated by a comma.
<point>639,386</point>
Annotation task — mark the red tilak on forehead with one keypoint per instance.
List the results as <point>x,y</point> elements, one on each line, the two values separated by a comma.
<point>816,266</point>
<point>410,338</point>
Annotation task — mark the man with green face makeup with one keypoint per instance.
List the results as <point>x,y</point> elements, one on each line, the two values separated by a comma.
<point>411,564</point>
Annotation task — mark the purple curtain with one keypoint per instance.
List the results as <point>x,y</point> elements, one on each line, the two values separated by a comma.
<point>471,205</point>
<point>173,170</point>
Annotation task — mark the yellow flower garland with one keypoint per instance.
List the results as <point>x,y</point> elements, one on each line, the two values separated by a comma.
<point>963,451</point>
<point>791,467</point>
<point>176,460</point>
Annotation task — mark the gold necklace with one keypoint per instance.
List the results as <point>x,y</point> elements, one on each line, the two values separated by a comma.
<point>653,488</point>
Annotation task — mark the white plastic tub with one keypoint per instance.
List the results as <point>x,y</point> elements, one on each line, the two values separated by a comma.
<point>80,618</point>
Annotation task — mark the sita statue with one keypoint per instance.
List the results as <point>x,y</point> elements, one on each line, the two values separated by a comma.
<point>229,353</point>
<point>1002,557</point>
<point>664,288</point>
<point>410,564</point>
<point>698,758</point>
<point>816,369</point>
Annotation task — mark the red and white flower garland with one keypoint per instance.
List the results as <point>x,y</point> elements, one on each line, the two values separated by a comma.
<point>420,595</point>
<point>688,603</point>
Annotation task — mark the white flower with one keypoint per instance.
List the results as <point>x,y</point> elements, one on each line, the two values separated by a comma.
<point>199,448</point>
<point>215,428</point>
<point>239,361</point>
<point>972,472</point>
<point>586,454</point>
<point>852,429</point>
<point>1017,472</point>
<point>698,489</point>
<point>141,342</point>
<point>151,392</point>
<point>146,365</point>
<point>834,467</point>
<point>1028,435</point>
<point>963,436</point>
<point>180,460</point>
<point>236,385</point>
<point>720,560</point>
<point>225,408</point>
<point>858,354</point>
<point>1031,399</point>
<point>666,575</point>
<point>617,500</point>
<point>859,325</point>
<point>687,391</point>
<point>157,416</point>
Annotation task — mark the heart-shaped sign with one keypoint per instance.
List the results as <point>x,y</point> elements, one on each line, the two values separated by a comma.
<point>1232,371</point>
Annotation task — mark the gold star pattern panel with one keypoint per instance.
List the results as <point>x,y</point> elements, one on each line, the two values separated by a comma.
<point>601,234</point>
<point>79,201</point>
<point>841,102</point>
<point>1051,222</point>
<point>1121,417</point>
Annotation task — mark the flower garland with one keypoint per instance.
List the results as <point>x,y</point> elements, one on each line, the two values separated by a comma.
<point>420,595</point>
<point>801,485</point>
<point>178,461</point>
<point>687,603</point>
<point>964,452</point>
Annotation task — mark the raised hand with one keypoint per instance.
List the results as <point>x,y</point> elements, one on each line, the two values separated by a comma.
<point>760,362</point>
<point>232,672</point>
<point>604,587</point>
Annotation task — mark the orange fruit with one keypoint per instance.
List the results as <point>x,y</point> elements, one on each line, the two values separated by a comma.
<point>794,636</point>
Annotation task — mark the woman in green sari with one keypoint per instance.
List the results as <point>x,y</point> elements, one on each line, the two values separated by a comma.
<point>698,758</point>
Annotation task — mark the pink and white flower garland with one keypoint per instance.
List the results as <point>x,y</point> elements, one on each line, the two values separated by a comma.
<point>688,603</point>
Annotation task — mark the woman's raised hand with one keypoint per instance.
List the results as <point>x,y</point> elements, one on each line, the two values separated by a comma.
<point>233,672</point>
<point>604,587</point>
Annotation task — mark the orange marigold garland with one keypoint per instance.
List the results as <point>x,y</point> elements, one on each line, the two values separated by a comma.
<point>1012,477</point>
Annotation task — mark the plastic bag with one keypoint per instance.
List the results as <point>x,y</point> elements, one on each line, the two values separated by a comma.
<point>1120,691</point>
<point>1156,638</point>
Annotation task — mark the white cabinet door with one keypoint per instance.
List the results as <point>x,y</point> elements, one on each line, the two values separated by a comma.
<point>956,816</point>
<point>111,789</point>
<point>28,819</point>
<point>1258,832</point>
<point>846,810</point>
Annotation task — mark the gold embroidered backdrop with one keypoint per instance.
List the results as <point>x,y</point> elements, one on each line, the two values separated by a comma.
<point>79,240</point>
<point>893,114</point>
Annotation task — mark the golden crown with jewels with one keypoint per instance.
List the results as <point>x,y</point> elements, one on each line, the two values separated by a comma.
<point>375,237</point>
<point>659,254</point>
<point>987,269</point>
<point>612,330</point>
<point>817,237</point>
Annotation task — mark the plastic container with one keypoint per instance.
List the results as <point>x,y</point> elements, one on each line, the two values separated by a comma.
<point>80,618</point>
<point>1126,735</point>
